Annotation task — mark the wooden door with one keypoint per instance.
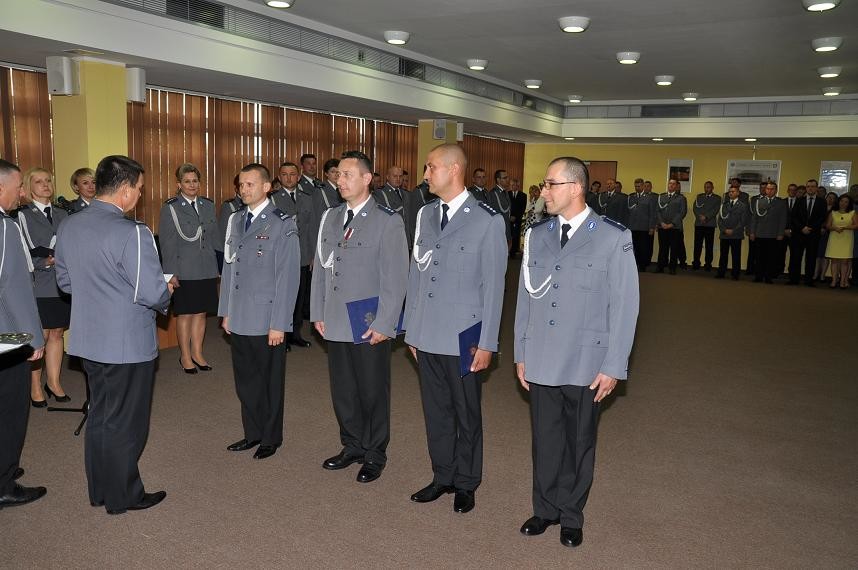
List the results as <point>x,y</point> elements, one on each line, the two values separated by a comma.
<point>601,170</point>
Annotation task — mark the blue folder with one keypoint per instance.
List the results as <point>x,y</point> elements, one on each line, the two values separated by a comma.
<point>469,340</point>
<point>362,314</point>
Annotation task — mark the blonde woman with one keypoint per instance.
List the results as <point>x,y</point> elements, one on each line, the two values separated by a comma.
<point>39,220</point>
<point>83,184</point>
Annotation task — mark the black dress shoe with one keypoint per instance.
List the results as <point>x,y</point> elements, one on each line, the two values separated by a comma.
<point>38,403</point>
<point>50,393</point>
<point>719,276</point>
<point>188,370</point>
<point>265,451</point>
<point>571,537</point>
<point>431,492</point>
<point>464,501</point>
<point>149,500</point>
<point>203,367</point>
<point>536,525</point>
<point>341,461</point>
<point>672,271</point>
<point>20,495</point>
<point>298,341</point>
<point>17,474</point>
<point>369,472</point>
<point>242,445</point>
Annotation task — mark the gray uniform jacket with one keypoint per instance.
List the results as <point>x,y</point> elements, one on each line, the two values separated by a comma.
<point>481,194</point>
<point>671,209</point>
<point>110,266</point>
<point>769,217</point>
<point>456,278</point>
<point>641,216</point>
<point>18,312</point>
<point>188,239</point>
<point>498,199</point>
<point>228,208</point>
<point>613,205</point>
<point>76,206</point>
<point>389,196</point>
<point>577,307</point>
<point>368,259</point>
<point>706,206</point>
<point>39,232</point>
<point>414,200</point>
<point>303,211</point>
<point>733,217</point>
<point>261,272</point>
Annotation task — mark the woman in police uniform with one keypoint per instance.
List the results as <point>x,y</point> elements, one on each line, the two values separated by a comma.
<point>188,235</point>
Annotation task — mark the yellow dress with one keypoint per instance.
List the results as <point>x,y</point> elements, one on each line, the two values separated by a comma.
<point>840,243</point>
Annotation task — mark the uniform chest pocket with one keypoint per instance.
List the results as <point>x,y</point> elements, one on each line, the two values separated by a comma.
<point>263,251</point>
<point>465,255</point>
<point>589,273</point>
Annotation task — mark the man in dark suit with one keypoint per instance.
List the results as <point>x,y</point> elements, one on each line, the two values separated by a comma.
<point>18,313</point>
<point>518,204</point>
<point>791,200</point>
<point>808,216</point>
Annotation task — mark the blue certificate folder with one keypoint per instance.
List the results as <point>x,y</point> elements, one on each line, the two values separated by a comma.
<point>469,340</point>
<point>362,314</point>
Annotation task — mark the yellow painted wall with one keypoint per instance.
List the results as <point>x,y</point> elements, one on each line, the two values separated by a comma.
<point>426,140</point>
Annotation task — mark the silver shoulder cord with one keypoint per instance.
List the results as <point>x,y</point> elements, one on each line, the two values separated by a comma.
<point>325,198</point>
<point>721,212</point>
<point>24,240</point>
<point>540,291</point>
<point>26,231</point>
<point>422,260</point>
<point>228,256</point>
<point>329,263</point>
<point>179,228</point>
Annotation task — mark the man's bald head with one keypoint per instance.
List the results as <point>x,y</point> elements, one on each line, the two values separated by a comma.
<point>394,176</point>
<point>450,154</point>
<point>446,170</point>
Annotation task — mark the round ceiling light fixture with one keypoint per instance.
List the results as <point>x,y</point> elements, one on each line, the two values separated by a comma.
<point>657,139</point>
<point>664,80</point>
<point>568,138</point>
<point>573,24</point>
<point>533,83</point>
<point>396,37</point>
<point>575,98</point>
<point>827,44</point>
<point>819,5</point>
<point>477,64</point>
<point>280,3</point>
<point>831,91</point>
<point>689,97</point>
<point>829,72</point>
<point>750,140</point>
<point>628,57</point>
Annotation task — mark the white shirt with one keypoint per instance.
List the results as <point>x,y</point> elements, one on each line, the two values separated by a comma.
<point>308,179</point>
<point>258,209</point>
<point>454,204</point>
<point>189,200</point>
<point>356,209</point>
<point>575,222</point>
<point>41,206</point>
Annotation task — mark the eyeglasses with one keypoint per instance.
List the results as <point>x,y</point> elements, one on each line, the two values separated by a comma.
<point>549,184</point>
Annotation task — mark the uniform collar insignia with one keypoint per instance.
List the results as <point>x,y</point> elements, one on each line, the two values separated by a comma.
<point>591,226</point>
<point>551,225</point>
<point>466,209</point>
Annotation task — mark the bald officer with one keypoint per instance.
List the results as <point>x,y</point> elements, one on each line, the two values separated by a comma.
<point>118,285</point>
<point>575,324</point>
<point>18,313</point>
<point>391,195</point>
<point>361,254</point>
<point>258,289</point>
<point>456,281</point>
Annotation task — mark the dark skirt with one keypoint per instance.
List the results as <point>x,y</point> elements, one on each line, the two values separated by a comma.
<point>195,296</point>
<point>54,312</point>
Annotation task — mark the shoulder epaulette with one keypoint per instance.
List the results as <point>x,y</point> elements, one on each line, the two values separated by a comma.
<point>487,208</point>
<point>540,222</point>
<point>280,214</point>
<point>171,200</point>
<point>205,198</point>
<point>318,184</point>
<point>385,209</point>
<point>614,223</point>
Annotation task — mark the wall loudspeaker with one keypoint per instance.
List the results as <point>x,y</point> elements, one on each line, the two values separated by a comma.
<point>439,129</point>
<point>460,132</point>
<point>135,84</point>
<point>62,75</point>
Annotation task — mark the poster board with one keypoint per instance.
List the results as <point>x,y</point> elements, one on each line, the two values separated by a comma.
<point>752,172</point>
<point>834,175</point>
<point>681,170</point>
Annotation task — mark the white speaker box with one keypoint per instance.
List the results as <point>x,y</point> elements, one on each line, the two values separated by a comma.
<point>62,75</point>
<point>439,129</point>
<point>135,84</point>
<point>460,132</point>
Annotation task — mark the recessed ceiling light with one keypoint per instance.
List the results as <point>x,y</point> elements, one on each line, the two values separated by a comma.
<point>628,57</point>
<point>657,139</point>
<point>819,5</point>
<point>575,98</point>
<point>533,83</point>
<point>750,140</point>
<point>477,64</point>
<point>827,44</point>
<point>829,72</point>
<point>569,138</point>
<point>573,24</point>
<point>280,3</point>
<point>831,91</point>
<point>689,97</point>
<point>664,80</point>
<point>396,37</point>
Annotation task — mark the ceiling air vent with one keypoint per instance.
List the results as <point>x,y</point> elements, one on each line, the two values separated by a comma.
<point>669,111</point>
<point>199,11</point>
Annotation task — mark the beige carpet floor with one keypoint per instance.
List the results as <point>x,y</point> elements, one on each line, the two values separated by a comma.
<point>732,445</point>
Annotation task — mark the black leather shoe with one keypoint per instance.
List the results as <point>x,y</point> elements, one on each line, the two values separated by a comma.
<point>719,276</point>
<point>571,537</point>
<point>188,370</point>
<point>265,451</point>
<point>242,445</point>
<point>341,461</point>
<point>536,525</point>
<point>672,271</point>
<point>20,495</point>
<point>464,501</point>
<point>203,367</point>
<point>369,472</point>
<point>39,403</point>
<point>298,341</point>
<point>149,500</point>
<point>50,393</point>
<point>431,492</point>
<point>17,474</point>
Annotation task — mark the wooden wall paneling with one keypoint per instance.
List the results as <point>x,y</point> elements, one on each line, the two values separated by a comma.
<point>7,142</point>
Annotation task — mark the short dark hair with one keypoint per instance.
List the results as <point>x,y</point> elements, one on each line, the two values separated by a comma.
<point>114,171</point>
<point>575,170</point>
<point>618,185</point>
<point>775,184</point>
<point>7,167</point>
<point>288,163</point>
<point>851,205</point>
<point>479,170</point>
<point>405,173</point>
<point>498,173</point>
<point>363,160</point>
<point>374,174</point>
<point>648,182</point>
<point>814,180</point>
<point>261,169</point>
<point>596,183</point>
<point>331,163</point>
<point>305,156</point>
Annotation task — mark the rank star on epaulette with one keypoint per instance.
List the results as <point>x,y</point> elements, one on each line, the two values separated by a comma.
<point>279,213</point>
<point>388,211</point>
<point>171,200</point>
<point>615,223</point>
<point>487,208</point>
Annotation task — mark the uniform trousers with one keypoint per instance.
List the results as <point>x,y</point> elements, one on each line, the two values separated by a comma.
<point>751,264</point>
<point>454,421</point>
<point>564,420</point>
<point>120,403</point>
<point>803,245</point>
<point>730,248</point>
<point>302,303</point>
<point>360,391</point>
<point>668,247</point>
<point>515,228</point>
<point>260,382</point>
<point>642,244</point>
<point>768,258</point>
<point>14,410</point>
<point>703,236</point>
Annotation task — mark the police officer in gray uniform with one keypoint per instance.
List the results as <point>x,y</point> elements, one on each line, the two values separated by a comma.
<point>641,221</point>
<point>118,285</point>
<point>361,254</point>
<point>83,184</point>
<point>18,314</point>
<point>498,199</point>
<point>228,208</point>
<point>257,297</point>
<point>414,200</point>
<point>768,222</point>
<point>456,281</point>
<point>478,188</point>
<point>732,223</point>
<point>575,324</point>
<point>671,208</point>
<point>391,195</point>
<point>706,207</point>
<point>613,203</point>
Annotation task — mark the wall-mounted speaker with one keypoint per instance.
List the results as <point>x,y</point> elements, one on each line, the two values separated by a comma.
<point>62,75</point>
<point>135,84</point>
<point>460,132</point>
<point>439,129</point>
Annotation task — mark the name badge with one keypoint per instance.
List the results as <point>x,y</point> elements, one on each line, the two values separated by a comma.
<point>261,237</point>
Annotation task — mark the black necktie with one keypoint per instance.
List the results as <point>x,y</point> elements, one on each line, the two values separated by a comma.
<point>48,215</point>
<point>291,195</point>
<point>564,234</point>
<point>248,221</point>
<point>399,193</point>
<point>194,206</point>
<point>444,218</point>
<point>809,205</point>
<point>349,217</point>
